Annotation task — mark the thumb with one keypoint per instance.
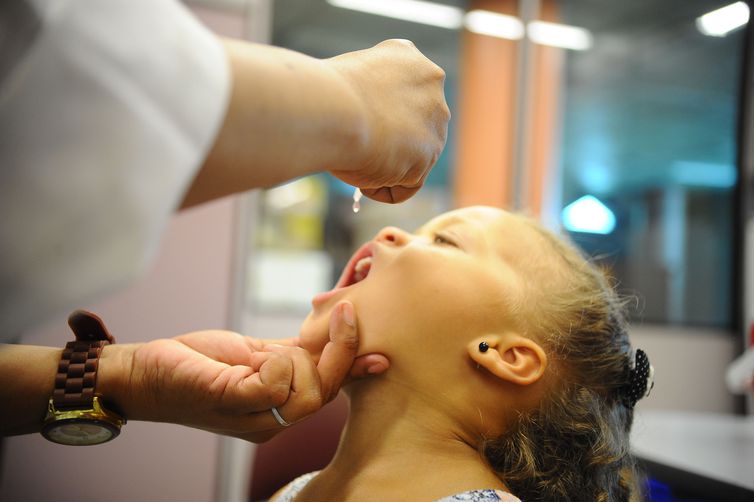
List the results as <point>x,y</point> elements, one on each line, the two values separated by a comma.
<point>368,365</point>
<point>339,353</point>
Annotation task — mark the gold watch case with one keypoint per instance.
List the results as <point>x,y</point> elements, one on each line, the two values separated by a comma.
<point>82,427</point>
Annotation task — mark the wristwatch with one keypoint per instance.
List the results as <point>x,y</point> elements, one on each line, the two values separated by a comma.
<point>76,415</point>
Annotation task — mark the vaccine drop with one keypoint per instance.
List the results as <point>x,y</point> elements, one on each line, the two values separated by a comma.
<point>356,198</point>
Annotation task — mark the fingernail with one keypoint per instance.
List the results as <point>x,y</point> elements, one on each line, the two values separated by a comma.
<point>348,317</point>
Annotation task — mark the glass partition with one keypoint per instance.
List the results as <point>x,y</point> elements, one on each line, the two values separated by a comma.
<point>648,153</point>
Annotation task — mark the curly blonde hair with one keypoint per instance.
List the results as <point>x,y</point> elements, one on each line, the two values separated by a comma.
<point>575,445</point>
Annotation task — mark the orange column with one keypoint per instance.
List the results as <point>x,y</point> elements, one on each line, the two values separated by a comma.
<point>485,115</point>
<point>544,134</point>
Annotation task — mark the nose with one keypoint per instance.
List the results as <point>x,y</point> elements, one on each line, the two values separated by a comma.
<point>393,236</point>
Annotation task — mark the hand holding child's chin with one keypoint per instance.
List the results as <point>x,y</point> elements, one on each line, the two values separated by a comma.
<point>315,334</point>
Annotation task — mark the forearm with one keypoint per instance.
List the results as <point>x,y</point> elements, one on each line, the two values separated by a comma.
<point>28,373</point>
<point>28,376</point>
<point>289,115</point>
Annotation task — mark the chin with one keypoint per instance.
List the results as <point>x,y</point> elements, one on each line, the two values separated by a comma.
<point>314,333</point>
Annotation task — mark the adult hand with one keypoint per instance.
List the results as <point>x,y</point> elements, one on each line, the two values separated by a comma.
<point>226,383</point>
<point>401,95</point>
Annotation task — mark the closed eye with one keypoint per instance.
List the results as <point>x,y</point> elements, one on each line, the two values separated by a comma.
<point>444,240</point>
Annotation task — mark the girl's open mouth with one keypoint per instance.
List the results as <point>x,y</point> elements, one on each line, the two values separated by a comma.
<point>356,270</point>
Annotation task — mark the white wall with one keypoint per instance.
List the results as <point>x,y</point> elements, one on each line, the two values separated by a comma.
<point>689,365</point>
<point>187,289</point>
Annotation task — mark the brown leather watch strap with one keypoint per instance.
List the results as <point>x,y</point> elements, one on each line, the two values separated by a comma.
<point>77,371</point>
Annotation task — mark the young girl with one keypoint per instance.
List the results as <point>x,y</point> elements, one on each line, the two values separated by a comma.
<point>511,375</point>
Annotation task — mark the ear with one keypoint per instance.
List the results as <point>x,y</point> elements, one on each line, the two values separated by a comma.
<point>510,357</point>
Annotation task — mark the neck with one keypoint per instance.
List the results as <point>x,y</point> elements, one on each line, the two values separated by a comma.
<point>395,442</point>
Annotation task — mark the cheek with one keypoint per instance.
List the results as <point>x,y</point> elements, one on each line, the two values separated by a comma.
<point>368,306</point>
<point>412,304</point>
<point>423,300</point>
<point>400,312</point>
<point>382,313</point>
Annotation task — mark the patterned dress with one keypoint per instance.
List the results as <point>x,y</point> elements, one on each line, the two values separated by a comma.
<point>487,495</point>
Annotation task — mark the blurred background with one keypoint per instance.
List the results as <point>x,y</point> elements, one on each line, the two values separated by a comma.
<point>617,122</point>
<point>622,130</point>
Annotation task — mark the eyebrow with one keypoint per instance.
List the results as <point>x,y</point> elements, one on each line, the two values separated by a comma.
<point>444,222</point>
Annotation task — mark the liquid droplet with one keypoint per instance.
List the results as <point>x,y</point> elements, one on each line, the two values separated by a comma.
<point>356,198</point>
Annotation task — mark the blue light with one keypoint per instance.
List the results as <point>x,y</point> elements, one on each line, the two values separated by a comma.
<point>703,174</point>
<point>587,214</point>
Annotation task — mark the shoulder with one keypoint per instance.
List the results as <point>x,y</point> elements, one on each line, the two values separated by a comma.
<point>481,496</point>
<point>289,491</point>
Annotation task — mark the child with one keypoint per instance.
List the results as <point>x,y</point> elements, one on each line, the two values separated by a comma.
<point>511,374</point>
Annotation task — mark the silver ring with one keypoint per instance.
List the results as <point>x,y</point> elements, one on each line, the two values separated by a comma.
<point>278,418</point>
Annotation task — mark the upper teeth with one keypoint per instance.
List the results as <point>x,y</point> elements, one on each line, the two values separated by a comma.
<point>362,268</point>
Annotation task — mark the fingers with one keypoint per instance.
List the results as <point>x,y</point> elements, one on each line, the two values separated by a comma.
<point>313,385</point>
<point>368,365</point>
<point>339,353</point>
<point>306,392</point>
<point>287,377</point>
<point>275,376</point>
<point>400,193</point>
<point>390,195</point>
<point>220,345</point>
<point>289,342</point>
<point>261,384</point>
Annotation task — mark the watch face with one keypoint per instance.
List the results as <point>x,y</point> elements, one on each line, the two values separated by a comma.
<point>80,432</point>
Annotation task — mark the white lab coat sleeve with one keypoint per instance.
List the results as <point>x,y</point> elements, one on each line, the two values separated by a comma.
<point>104,121</point>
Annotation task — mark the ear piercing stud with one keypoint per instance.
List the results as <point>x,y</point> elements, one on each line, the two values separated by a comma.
<point>484,347</point>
